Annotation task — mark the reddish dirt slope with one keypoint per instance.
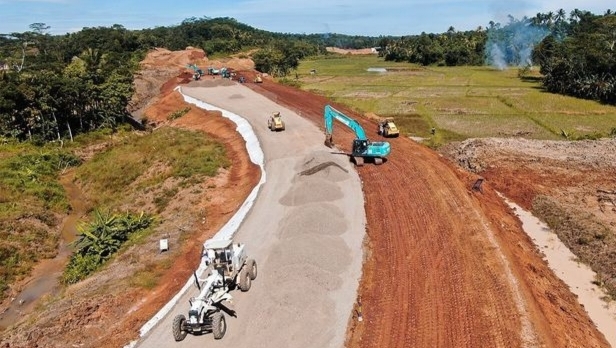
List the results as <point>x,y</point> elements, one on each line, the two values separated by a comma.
<point>447,266</point>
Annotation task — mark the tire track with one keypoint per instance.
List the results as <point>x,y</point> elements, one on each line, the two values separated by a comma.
<point>439,271</point>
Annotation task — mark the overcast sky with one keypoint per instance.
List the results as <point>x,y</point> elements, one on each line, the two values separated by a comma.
<point>352,17</point>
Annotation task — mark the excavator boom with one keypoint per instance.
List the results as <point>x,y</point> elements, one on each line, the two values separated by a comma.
<point>362,146</point>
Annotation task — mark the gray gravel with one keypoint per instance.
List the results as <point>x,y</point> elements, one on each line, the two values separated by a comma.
<point>305,231</point>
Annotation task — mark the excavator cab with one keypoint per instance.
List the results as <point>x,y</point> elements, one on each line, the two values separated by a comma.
<point>360,146</point>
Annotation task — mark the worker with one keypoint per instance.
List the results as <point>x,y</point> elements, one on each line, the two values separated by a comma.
<point>380,128</point>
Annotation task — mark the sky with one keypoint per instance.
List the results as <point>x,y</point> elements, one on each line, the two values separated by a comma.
<point>351,17</point>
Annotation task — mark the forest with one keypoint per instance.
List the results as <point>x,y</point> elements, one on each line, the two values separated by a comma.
<point>53,87</point>
<point>575,51</point>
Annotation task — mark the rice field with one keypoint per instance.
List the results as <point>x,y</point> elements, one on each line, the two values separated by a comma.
<point>459,102</point>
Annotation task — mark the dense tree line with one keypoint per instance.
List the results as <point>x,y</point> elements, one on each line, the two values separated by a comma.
<point>58,86</point>
<point>579,59</point>
<point>450,48</point>
<point>55,86</point>
<point>576,52</point>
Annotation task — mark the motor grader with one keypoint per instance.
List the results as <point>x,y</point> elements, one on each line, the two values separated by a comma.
<point>228,268</point>
<point>231,262</point>
<point>387,128</point>
<point>275,122</point>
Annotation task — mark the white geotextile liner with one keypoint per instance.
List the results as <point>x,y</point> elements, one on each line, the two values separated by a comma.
<point>228,230</point>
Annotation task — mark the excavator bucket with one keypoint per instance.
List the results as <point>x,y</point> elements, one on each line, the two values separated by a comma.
<point>328,141</point>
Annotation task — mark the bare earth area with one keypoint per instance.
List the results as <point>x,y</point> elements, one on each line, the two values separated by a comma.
<point>447,266</point>
<point>444,265</point>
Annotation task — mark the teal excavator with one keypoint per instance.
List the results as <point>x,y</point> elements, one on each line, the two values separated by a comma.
<point>198,72</point>
<point>362,149</point>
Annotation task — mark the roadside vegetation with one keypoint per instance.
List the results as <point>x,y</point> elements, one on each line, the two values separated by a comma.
<point>151,166</point>
<point>100,239</point>
<point>129,180</point>
<point>32,202</point>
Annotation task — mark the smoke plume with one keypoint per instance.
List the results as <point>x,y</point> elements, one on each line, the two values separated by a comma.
<point>513,44</point>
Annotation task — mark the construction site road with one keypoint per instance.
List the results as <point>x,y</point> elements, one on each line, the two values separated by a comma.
<point>305,231</point>
<point>446,265</point>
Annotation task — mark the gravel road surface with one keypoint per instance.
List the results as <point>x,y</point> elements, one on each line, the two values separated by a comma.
<point>305,231</point>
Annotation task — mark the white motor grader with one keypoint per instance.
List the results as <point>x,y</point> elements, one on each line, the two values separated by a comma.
<point>228,268</point>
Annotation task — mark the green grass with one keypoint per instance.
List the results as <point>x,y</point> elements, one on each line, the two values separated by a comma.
<point>460,102</point>
<point>31,198</point>
<point>167,153</point>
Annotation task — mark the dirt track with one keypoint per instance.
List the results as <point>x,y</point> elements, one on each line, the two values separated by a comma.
<point>447,267</point>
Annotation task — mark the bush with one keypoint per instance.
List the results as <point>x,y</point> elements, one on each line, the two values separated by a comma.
<point>179,113</point>
<point>100,240</point>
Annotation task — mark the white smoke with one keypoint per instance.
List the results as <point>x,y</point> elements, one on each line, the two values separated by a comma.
<point>513,44</point>
<point>496,57</point>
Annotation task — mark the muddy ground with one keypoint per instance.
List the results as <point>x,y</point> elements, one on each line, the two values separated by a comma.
<point>444,266</point>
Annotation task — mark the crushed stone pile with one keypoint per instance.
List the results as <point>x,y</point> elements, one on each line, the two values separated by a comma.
<point>310,247</point>
<point>330,221</point>
<point>325,252</point>
<point>310,190</point>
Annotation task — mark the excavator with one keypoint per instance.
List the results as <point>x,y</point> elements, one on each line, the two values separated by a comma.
<point>362,148</point>
<point>198,72</point>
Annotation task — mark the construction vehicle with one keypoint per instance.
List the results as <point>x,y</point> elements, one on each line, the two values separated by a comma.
<point>275,122</point>
<point>362,148</point>
<point>231,262</point>
<point>224,72</point>
<point>258,79</point>
<point>206,310</point>
<point>387,128</point>
<point>228,268</point>
<point>197,72</point>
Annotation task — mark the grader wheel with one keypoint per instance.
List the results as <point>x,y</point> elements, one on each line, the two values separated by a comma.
<point>219,325</point>
<point>252,268</point>
<point>245,280</point>
<point>178,328</point>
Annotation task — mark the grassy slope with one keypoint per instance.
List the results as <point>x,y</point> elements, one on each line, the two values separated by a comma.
<point>152,167</point>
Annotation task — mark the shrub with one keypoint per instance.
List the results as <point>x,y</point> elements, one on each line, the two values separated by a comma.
<point>99,240</point>
<point>179,113</point>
